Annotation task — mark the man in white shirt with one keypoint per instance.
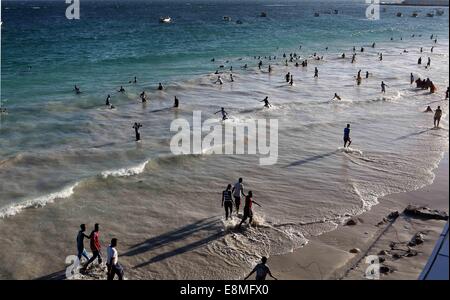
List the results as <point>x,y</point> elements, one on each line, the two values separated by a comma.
<point>112,262</point>
<point>237,191</point>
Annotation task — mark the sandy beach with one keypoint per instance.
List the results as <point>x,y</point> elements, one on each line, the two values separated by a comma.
<point>328,256</point>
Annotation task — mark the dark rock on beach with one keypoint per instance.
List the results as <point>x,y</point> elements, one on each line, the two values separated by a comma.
<point>425,212</point>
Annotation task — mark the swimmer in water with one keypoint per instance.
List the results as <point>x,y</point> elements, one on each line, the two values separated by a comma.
<point>347,136</point>
<point>160,87</point>
<point>270,69</point>
<point>291,82</point>
<point>353,58</point>
<point>136,127</point>
<point>223,112</point>
<point>121,90</point>
<point>336,96</point>
<point>288,76</point>
<point>367,74</point>
<point>266,102</point>
<point>381,56</point>
<point>77,90</point>
<point>176,102</point>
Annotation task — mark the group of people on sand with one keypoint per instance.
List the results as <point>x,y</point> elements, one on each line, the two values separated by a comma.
<point>112,256</point>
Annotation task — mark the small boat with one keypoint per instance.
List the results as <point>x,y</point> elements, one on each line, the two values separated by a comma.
<point>430,14</point>
<point>227,18</point>
<point>165,20</point>
<point>316,14</point>
<point>399,14</point>
<point>263,15</point>
<point>415,14</point>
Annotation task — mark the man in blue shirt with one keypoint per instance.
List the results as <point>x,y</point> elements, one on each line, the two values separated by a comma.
<point>347,136</point>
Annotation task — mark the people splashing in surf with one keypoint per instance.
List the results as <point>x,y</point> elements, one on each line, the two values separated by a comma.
<point>223,112</point>
<point>347,139</point>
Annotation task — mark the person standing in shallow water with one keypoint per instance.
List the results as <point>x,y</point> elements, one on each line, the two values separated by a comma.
<point>437,116</point>
<point>383,87</point>
<point>227,202</point>
<point>248,212</point>
<point>176,102</point>
<point>262,270</point>
<point>238,191</point>
<point>347,138</point>
<point>136,127</point>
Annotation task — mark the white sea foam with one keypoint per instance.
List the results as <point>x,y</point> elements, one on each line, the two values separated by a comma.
<point>125,172</point>
<point>41,201</point>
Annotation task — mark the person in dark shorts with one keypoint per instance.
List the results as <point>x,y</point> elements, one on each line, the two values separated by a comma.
<point>227,202</point>
<point>261,270</point>
<point>237,191</point>
<point>347,136</point>
<point>248,213</point>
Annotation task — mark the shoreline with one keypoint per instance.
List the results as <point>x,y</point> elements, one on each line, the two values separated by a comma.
<point>328,256</point>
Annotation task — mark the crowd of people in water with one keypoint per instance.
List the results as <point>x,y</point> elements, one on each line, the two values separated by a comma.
<point>235,193</point>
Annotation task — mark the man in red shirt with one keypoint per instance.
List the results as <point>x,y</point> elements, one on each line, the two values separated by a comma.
<point>248,213</point>
<point>95,246</point>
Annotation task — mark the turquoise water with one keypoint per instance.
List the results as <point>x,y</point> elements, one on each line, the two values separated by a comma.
<point>76,161</point>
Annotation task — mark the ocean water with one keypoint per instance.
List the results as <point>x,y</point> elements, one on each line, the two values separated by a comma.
<point>66,159</point>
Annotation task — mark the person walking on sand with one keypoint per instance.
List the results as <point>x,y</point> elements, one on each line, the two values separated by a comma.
<point>238,191</point>
<point>112,262</point>
<point>437,116</point>
<point>227,202</point>
<point>383,87</point>
<point>347,138</point>
<point>95,246</point>
<point>262,270</point>
<point>248,213</point>
<point>80,243</point>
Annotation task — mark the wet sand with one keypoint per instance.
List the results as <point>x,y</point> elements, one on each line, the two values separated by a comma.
<point>328,256</point>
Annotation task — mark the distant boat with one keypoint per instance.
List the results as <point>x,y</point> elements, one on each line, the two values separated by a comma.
<point>415,14</point>
<point>263,15</point>
<point>227,18</point>
<point>316,14</point>
<point>165,20</point>
<point>399,14</point>
<point>430,14</point>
